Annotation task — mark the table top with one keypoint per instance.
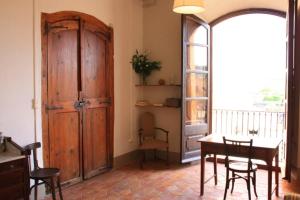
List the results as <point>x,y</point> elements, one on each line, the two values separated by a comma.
<point>9,156</point>
<point>270,143</point>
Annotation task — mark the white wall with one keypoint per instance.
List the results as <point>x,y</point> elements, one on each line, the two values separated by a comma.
<point>20,64</point>
<point>162,39</point>
<point>16,70</point>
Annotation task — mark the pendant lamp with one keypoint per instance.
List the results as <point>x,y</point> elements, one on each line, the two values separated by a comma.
<point>188,6</point>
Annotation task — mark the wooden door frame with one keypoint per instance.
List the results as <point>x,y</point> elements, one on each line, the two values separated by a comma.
<point>247,11</point>
<point>72,15</point>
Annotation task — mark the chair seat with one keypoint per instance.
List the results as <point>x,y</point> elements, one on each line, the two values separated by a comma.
<point>241,166</point>
<point>153,144</point>
<point>44,173</point>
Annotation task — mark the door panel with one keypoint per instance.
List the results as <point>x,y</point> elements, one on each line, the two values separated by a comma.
<point>63,93</point>
<point>196,34</point>
<point>192,143</point>
<point>197,57</point>
<point>64,143</point>
<point>196,112</point>
<point>93,72</point>
<point>95,93</point>
<point>62,65</point>
<point>95,151</point>
<point>196,85</point>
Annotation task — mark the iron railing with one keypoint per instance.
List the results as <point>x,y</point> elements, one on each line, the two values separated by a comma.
<point>242,122</point>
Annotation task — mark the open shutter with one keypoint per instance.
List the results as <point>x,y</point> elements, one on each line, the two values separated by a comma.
<point>292,106</point>
<point>195,85</point>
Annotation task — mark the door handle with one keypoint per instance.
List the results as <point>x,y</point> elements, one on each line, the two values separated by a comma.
<point>51,107</point>
<point>78,105</point>
<point>81,103</point>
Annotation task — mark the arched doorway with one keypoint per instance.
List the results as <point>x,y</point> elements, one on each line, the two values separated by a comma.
<point>249,75</point>
<point>197,62</point>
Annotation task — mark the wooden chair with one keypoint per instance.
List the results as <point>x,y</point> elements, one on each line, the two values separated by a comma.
<point>148,138</point>
<point>46,175</point>
<point>237,168</point>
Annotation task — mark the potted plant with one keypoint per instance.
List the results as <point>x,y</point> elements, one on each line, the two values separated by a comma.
<point>143,66</point>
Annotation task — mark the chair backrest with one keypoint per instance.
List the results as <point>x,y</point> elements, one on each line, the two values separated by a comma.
<point>33,147</point>
<point>238,148</point>
<point>147,124</point>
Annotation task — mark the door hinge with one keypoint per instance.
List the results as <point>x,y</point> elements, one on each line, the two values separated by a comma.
<point>106,101</point>
<point>51,107</point>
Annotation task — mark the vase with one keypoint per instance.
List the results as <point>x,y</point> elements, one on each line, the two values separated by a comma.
<point>143,79</point>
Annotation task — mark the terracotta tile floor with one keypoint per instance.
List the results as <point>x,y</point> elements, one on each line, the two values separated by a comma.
<point>156,181</point>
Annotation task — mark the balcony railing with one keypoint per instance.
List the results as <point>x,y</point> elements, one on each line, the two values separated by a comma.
<point>241,122</point>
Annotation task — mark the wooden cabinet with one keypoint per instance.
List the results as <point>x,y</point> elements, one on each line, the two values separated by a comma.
<point>14,172</point>
<point>77,95</point>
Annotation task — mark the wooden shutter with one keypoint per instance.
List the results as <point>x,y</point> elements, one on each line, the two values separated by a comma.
<point>292,106</point>
<point>195,85</point>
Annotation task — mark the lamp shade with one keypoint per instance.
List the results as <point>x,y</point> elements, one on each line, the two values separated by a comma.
<point>188,6</point>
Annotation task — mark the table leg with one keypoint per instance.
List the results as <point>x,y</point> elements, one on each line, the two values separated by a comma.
<point>215,169</point>
<point>277,174</point>
<point>269,179</point>
<point>202,168</point>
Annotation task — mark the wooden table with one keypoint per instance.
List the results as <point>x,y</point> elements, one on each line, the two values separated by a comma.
<point>264,149</point>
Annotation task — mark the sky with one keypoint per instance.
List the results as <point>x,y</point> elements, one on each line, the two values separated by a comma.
<point>249,54</point>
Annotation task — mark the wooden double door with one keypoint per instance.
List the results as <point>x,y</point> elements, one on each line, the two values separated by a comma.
<point>77,92</point>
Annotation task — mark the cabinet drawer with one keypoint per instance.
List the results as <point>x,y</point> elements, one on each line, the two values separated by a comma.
<point>13,192</point>
<point>4,167</point>
<point>11,177</point>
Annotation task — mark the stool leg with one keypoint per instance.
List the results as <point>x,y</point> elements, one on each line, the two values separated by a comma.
<point>36,182</point>
<point>53,189</point>
<point>59,188</point>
